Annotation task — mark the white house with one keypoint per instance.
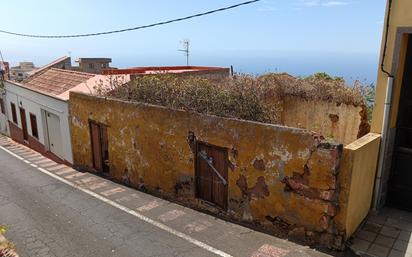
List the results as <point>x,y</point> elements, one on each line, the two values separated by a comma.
<point>38,109</point>
<point>38,117</point>
<point>4,126</point>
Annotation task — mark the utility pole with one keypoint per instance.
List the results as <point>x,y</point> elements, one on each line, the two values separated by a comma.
<point>186,49</point>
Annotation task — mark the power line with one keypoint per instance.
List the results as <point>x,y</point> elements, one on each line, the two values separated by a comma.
<point>134,28</point>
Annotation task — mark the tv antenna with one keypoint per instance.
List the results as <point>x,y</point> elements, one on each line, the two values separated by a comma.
<point>186,49</point>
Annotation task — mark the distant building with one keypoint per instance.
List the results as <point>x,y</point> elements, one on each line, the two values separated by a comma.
<point>93,65</point>
<point>4,70</point>
<point>22,71</point>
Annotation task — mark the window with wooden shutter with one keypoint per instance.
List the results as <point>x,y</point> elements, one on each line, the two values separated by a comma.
<point>14,113</point>
<point>33,123</point>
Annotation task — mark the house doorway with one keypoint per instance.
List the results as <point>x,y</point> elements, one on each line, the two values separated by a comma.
<point>211,174</point>
<point>100,147</point>
<point>24,124</point>
<point>400,180</point>
<point>54,137</point>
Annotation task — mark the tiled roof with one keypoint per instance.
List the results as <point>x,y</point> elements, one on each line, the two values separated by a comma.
<point>56,81</point>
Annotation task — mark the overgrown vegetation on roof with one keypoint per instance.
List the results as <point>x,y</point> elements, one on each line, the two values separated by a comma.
<point>256,98</point>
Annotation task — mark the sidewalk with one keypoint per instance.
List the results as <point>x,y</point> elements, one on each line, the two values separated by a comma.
<point>388,233</point>
<point>195,227</point>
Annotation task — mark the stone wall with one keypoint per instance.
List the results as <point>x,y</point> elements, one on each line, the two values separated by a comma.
<point>284,180</point>
<point>339,122</point>
<point>357,176</point>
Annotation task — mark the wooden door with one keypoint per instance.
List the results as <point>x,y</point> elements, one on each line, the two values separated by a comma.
<point>105,148</point>
<point>100,150</point>
<point>24,124</point>
<point>211,174</point>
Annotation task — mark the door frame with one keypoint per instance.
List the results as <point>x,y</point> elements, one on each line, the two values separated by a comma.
<point>103,164</point>
<point>220,148</point>
<point>23,119</point>
<point>381,183</point>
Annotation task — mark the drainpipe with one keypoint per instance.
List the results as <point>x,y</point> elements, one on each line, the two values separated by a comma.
<point>382,151</point>
<point>386,117</point>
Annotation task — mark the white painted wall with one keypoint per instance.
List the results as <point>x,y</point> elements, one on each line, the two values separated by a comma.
<point>4,125</point>
<point>37,103</point>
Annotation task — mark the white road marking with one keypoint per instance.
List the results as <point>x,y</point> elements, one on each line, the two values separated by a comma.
<point>131,212</point>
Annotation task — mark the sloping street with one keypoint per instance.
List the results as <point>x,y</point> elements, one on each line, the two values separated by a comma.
<point>53,210</point>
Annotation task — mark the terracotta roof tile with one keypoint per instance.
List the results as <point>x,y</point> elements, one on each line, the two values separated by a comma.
<point>57,81</point>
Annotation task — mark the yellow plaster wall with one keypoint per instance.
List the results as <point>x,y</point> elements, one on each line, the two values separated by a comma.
<point>148,146</point>
<point>320,116</point>
<point>357,176</point>
<point>401,16</point>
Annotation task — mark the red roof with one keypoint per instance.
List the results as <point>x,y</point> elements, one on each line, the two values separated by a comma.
<point>56,81</point>
<point>164,69</point>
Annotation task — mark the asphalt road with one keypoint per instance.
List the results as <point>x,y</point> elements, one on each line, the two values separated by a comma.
<point>48,217</point>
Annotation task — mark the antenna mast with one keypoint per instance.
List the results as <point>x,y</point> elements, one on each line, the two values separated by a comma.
<point>186,49</point>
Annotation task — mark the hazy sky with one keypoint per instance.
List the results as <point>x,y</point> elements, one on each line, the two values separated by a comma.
<point>297,36</point>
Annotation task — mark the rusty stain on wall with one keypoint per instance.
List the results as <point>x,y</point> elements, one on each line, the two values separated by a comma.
<point>282,179</point>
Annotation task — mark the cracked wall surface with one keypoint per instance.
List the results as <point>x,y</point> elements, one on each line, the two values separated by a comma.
<point>284,180</point>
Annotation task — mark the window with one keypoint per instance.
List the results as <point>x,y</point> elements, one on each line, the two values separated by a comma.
<point>2,106</point>
<point>104,66</point>
<point>91,65</point>
<point>14,113</point>
<point>33,123</point>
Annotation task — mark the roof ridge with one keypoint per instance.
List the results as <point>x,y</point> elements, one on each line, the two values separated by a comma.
<point>46,67</point>
<point>74,71</point>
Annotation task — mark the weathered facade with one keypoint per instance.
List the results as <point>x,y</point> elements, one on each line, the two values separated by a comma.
<point>343,123</point>
<point>4,126</point>
<point>286,180</point>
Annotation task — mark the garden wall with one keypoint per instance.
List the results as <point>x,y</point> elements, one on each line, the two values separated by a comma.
<point>357,176</point>
<point>340,122</point>
<point>284,180</point>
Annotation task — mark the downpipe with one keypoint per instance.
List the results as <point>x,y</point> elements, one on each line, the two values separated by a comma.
<point>383,146</point>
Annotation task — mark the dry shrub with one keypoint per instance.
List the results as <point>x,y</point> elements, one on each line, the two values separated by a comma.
<point>241,96</point>
<point>318,87</point>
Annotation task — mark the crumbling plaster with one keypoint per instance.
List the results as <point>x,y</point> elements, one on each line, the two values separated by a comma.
<point>281,179</point>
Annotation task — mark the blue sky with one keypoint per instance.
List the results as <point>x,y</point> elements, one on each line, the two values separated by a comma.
<point>341,37</point>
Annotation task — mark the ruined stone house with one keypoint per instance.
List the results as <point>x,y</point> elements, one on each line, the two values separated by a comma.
<point>288,180</point>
